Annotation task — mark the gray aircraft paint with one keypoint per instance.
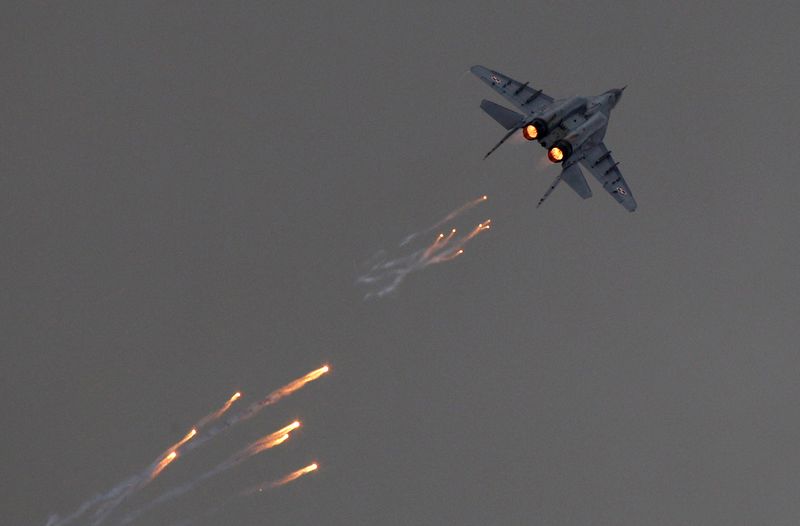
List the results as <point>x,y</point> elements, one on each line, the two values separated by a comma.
<point>578,121</point>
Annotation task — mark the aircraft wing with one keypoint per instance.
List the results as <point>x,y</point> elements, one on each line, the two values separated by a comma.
<point>602,166</point>
<point>524,96</point>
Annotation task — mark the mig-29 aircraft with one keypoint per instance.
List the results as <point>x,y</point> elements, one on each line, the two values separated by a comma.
<point>571,130</point>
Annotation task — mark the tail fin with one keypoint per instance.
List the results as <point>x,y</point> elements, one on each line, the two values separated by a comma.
<point>508,119</point>
<point>574,178</point>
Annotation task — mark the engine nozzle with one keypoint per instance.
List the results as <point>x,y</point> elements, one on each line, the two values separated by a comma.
<point>559,151</point>
<point>535,129</point>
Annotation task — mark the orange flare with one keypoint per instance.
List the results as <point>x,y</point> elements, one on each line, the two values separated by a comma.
<point>294,385</point>
<point>227,405</point>
<point>221,411</point>
<point>449,257</point>
<point>441,240</point>
<point>295,475</point>
<point>163,463</point>
<point>182,441</point>
<point>460,210</point>
<point>188,437</point>
<point>288,429</point>
<point>486,225</point>
<point>271,440</point>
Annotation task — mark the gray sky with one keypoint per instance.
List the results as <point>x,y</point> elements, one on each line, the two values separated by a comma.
<point>188,194</point>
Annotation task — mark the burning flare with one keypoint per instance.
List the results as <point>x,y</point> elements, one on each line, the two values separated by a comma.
<point>174,447</point>
<point>446,219</point>
<point>486,225</point>
<point>219,412</point>
<point>271,440</point>
<point>163,463</point>
<point>266,442</point>
<point>294,385</point>
<point>440,242</point>
<point>384,275</point>
<point>188,437</point>
<point>103,504</point>
<point>295,475</point>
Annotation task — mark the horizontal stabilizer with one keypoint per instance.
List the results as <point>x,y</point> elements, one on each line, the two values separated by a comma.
<point>574,178</point>
<point>508,119</point>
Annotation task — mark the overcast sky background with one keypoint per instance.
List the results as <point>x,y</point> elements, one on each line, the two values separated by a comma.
<point>188,193</point>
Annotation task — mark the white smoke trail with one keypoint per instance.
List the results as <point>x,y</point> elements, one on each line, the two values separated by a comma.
<point>446,219</point>
<point>106,503</point>
<point>384,274</point>
<point>267,442</point>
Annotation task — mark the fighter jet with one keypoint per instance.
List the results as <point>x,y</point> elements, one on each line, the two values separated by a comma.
<point>571,130</point>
